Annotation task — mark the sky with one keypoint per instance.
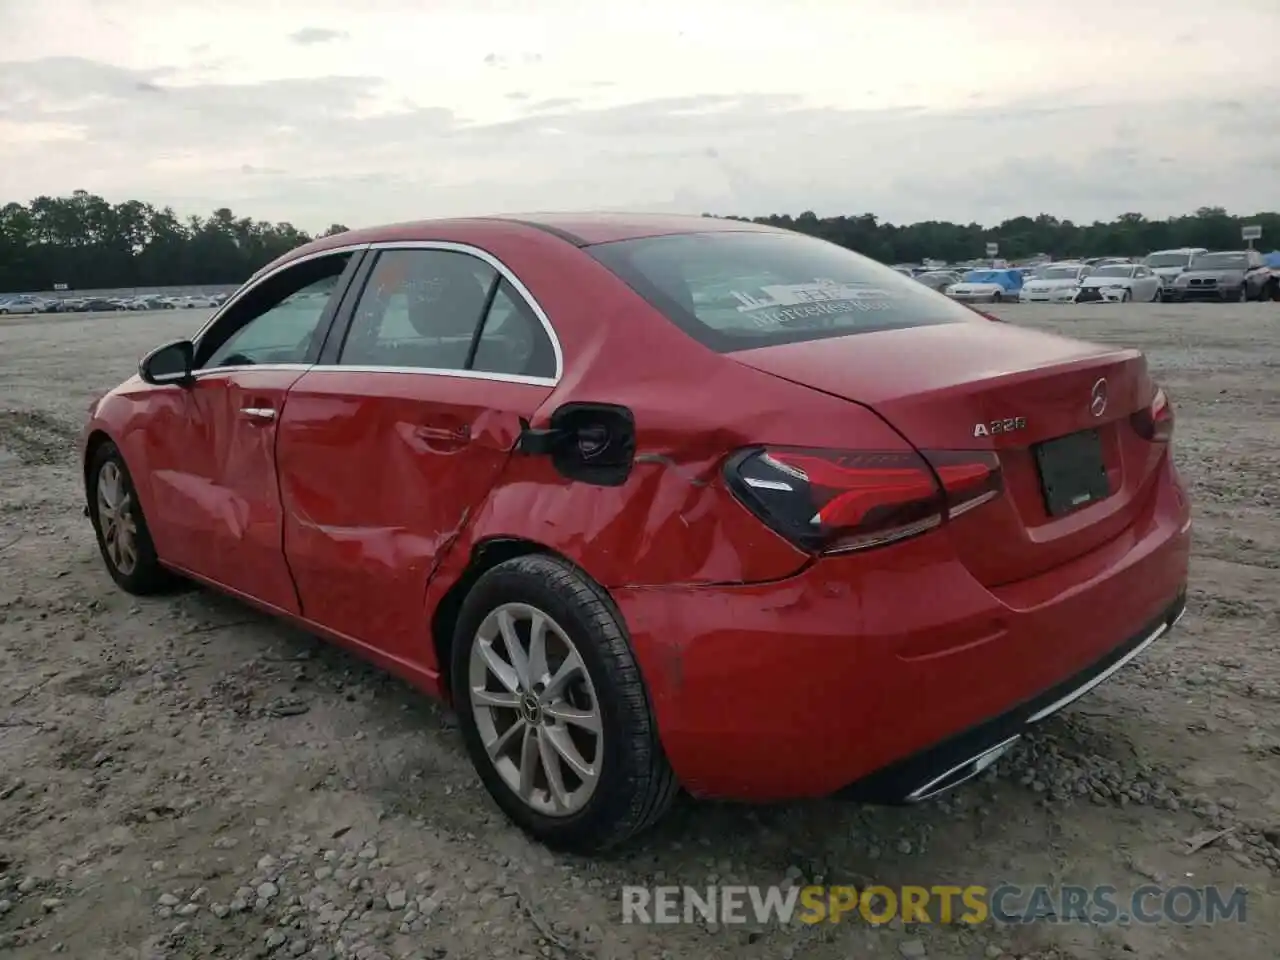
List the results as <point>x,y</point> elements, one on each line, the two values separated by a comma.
<point>322,111</point>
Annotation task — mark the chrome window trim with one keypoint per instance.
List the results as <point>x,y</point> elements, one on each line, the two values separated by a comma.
<point>435,372</point>
<point>248,367</point>
<point>448,245</point>
<point>510,277</point>
<point>365,368</point>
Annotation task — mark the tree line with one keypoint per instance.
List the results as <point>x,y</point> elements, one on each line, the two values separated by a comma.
<point>86,242</point>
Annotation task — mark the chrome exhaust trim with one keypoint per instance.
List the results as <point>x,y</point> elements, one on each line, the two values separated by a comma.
<point>962,772</point>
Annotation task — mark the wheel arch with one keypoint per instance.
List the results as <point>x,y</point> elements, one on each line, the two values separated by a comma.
<point>485,555</point>
<point>92,444</point>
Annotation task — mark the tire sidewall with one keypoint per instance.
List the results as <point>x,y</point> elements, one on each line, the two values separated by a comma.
<point>508,584</point>
<point>147,571</point>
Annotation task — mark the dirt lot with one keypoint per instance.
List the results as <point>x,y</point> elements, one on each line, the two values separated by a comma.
<point>184,778</point>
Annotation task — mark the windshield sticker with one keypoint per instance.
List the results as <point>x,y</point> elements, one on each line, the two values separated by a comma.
<point>781,316</point>
<point>797,294</point>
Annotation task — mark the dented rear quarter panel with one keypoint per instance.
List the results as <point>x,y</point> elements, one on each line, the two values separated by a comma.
<point>674,521</point>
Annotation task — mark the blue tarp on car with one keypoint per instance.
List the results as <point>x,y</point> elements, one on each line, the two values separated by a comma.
<point>1010,279</point>
<point>1272,259</point>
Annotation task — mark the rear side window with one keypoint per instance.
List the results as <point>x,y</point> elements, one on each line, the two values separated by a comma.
<point>736,291</point>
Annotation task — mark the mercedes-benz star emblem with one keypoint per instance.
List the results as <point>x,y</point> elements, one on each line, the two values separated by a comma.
<point>1098,398</point>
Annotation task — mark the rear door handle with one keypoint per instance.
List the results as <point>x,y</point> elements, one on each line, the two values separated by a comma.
<point>444,434</point>
<point>260,414</point>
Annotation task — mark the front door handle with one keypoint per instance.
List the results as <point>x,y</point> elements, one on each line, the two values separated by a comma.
<point>260,414</point>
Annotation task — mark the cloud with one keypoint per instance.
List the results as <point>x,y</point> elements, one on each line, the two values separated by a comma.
<point>323,149</point>
<point>310,36</point>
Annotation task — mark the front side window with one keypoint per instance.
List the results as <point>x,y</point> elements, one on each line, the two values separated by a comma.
<point>735,291</point>
<point>282,320</point>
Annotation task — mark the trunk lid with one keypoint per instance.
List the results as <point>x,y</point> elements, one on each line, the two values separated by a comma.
<point>957,386</point>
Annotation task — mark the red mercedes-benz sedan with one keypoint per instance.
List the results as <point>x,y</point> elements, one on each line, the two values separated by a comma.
<point>658,502</point>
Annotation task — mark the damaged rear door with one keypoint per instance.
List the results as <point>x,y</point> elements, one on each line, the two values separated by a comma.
<point>399,432</point>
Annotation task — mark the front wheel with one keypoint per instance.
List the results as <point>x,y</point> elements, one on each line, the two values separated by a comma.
<point>997,297</point>
<point>123,536</point>
<point>553,710</point>
<point>1126,296</point>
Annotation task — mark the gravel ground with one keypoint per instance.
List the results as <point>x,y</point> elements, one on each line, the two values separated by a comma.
<point>182,777</point>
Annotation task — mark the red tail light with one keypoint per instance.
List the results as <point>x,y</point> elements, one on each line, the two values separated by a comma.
<point>1155,421</point>
<point>834,501</point>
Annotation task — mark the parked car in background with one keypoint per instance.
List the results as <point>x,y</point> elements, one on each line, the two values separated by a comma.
<point>1057,283</point>
<point>153,301</point>
<point>1237,275</point>
<point>22,304</point>
<point>986,286</point>
<point>443,464</point>
<point>192,301</point>
<point>1167,264</point>
<point>1120,282</point>
<point>939,279</point>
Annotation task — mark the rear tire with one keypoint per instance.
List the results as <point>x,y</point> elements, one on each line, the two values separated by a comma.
<point>997,298</point>
<point>123,536</point>
<point>517,704</point>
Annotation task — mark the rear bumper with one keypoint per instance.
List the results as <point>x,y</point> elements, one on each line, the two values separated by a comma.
<point>965,755</point>
<point>875,674</point>
<point>1049,296</point>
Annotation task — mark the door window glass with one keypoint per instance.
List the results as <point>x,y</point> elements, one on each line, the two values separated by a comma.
<point>283,320</point>
<point>420,308</point>
<point>513,340</point>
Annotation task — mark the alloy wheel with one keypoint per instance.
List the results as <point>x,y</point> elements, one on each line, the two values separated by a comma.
<point>116,520</point>
<point>536,709</point>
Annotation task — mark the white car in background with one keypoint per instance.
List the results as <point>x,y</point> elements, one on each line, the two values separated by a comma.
<point>1120,283</point>
<point>192,301</point>
<point>1167,264</point>
<point>21,305</point>
<point>1055,283</point>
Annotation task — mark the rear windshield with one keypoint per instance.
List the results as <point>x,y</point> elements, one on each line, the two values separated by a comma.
<point>736,291</point>
<point>1060,273</point>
